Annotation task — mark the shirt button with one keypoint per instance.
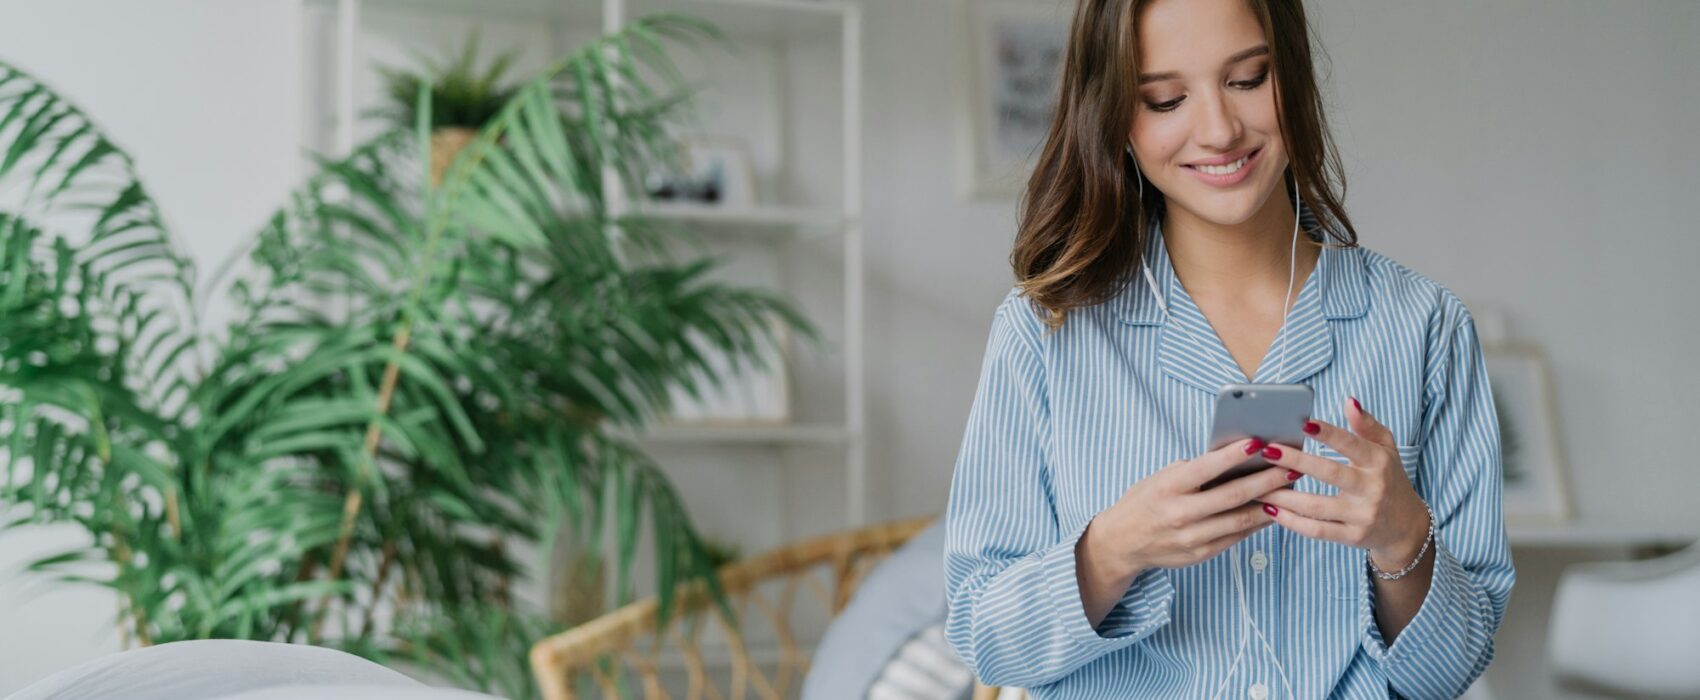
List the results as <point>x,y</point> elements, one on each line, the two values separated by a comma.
<point>1259,561</point>
<point>1258,692</point>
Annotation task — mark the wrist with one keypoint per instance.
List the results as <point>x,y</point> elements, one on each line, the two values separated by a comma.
<point>1397,555</point>
<point>1119,567</point>
<point>1394,558</point>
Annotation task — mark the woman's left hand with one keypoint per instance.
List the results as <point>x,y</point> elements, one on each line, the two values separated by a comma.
<point>1377,509</point>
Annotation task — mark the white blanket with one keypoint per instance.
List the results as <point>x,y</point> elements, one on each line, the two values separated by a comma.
<point>229,669</point>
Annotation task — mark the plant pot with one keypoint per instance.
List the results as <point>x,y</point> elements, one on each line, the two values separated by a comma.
<point>446,143</point>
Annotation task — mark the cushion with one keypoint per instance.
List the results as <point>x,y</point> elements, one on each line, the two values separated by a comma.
<point>883,633</point>
<point>924,668</point>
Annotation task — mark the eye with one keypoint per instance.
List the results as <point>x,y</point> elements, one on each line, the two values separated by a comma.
<point>1252,84</point>
<point>1170,106</point>
<point>1164,106</point>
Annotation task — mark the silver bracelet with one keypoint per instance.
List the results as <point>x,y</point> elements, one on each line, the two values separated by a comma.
<point>1408,567</point>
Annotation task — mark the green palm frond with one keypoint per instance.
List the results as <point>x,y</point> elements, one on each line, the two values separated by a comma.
<point>59,167</point>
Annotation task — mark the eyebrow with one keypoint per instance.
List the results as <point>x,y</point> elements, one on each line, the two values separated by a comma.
<point>1261,50</point>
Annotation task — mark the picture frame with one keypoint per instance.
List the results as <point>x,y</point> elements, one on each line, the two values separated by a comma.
<point>712,171</point>
<point>1013,61</point>
<point>1536,489</point>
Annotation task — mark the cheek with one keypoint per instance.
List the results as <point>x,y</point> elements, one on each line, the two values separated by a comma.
<point>1157,139</point>
<point>1257,112</point>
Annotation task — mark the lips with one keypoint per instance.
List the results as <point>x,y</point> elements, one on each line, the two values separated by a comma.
<point>1224,159</point>
<point>1225,170</point>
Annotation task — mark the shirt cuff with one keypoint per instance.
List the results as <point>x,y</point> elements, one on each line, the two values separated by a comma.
<point>1141,611</point>
<point>1437,620</point>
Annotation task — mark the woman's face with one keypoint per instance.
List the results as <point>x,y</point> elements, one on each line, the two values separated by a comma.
<point>1204,128</point>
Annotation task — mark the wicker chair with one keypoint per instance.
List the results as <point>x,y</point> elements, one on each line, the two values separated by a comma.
<point>605,655</point>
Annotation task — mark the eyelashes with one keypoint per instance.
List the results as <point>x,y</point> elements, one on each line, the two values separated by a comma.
<point>1164,106</point>
<point>1247,85</point>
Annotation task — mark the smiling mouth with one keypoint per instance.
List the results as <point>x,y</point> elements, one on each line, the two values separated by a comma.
<point>1226,168</point>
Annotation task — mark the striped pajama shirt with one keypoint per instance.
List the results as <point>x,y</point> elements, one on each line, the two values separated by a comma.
<point>1062,423</point>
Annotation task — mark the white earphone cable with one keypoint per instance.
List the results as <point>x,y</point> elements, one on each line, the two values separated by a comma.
<point>1248,624</point>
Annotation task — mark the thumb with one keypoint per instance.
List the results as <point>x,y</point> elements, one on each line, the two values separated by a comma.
<point>1366,426</point>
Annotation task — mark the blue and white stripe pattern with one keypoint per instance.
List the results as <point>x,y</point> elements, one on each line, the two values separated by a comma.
<point>1063,423</point>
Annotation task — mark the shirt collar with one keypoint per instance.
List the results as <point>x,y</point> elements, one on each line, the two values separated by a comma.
<point>1341,272</point>
<point>1337,290</point>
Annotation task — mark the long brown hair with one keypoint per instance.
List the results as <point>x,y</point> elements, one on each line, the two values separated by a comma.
<point>1082,223</point>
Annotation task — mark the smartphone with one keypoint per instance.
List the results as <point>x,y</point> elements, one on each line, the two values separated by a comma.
<point>1274,412</point>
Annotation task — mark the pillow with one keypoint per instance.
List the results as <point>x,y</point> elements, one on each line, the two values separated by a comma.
<point>924,669</point>
<point>884,629</point>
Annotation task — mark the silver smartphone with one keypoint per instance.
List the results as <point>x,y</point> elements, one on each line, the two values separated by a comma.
<point>1273,412</point>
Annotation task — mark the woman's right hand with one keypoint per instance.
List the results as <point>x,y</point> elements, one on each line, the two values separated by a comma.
<point>1165,521</point>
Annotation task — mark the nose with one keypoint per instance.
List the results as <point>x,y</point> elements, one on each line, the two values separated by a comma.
<point>1217,126</point>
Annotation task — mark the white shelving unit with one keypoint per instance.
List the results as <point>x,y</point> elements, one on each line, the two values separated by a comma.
<point>1593,535</point>
<point>806,53</point>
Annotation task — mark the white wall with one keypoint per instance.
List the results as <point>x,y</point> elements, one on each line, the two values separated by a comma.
<point>204,93</point>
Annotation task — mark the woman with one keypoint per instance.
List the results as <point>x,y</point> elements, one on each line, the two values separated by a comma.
<point>1157,261</point>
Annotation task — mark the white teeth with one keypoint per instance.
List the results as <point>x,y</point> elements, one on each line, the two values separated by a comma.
<point>1222,169</point>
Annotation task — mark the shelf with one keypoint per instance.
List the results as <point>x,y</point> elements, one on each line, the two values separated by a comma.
<point>770,20</point>
<point>800,434</point>
<point>788,80</point>
<point>781,21</point>
<point>764,220</point>
<point>1597,535</point>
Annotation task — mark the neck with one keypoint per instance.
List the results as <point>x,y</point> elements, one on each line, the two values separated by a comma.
<point>1239,262</point>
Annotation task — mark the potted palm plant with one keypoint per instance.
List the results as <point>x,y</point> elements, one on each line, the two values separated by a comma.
<point>463,97</point>
<point>421,370</point>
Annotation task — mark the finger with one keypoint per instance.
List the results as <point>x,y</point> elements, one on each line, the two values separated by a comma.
<point>1245,518</point>
<point>1322,468</point>
<point>1240,491</point>
<point>1311,527</point>
<point>1310,505</point>
<point>1355,447</point>
<point>1364,424</point>
<point>1210,465</point>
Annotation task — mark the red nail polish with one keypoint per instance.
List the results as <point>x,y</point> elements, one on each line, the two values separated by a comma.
<point>1271,510</point>
<point>1311,428</point>
<point>1293,475</point>
<point>1271,452</point>
<point>1252,447</point>
<point>1357,405</point>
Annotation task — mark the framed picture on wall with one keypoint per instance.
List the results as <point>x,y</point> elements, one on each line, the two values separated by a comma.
<point>1015,51</point>
<point>1535,484</point>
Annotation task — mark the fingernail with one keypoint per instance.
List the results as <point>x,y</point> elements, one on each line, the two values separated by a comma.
<point>1311,428</point>
<point>1253,446</point>
<point>1357,405</point>
<point>1272,452</point>
<point>1293,475</point>
<point>1271,510</point>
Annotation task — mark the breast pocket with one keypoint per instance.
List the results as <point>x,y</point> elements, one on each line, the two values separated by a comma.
<point>1347,563</point>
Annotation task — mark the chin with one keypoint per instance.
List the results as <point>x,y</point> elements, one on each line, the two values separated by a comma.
<point>1222,209</point>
